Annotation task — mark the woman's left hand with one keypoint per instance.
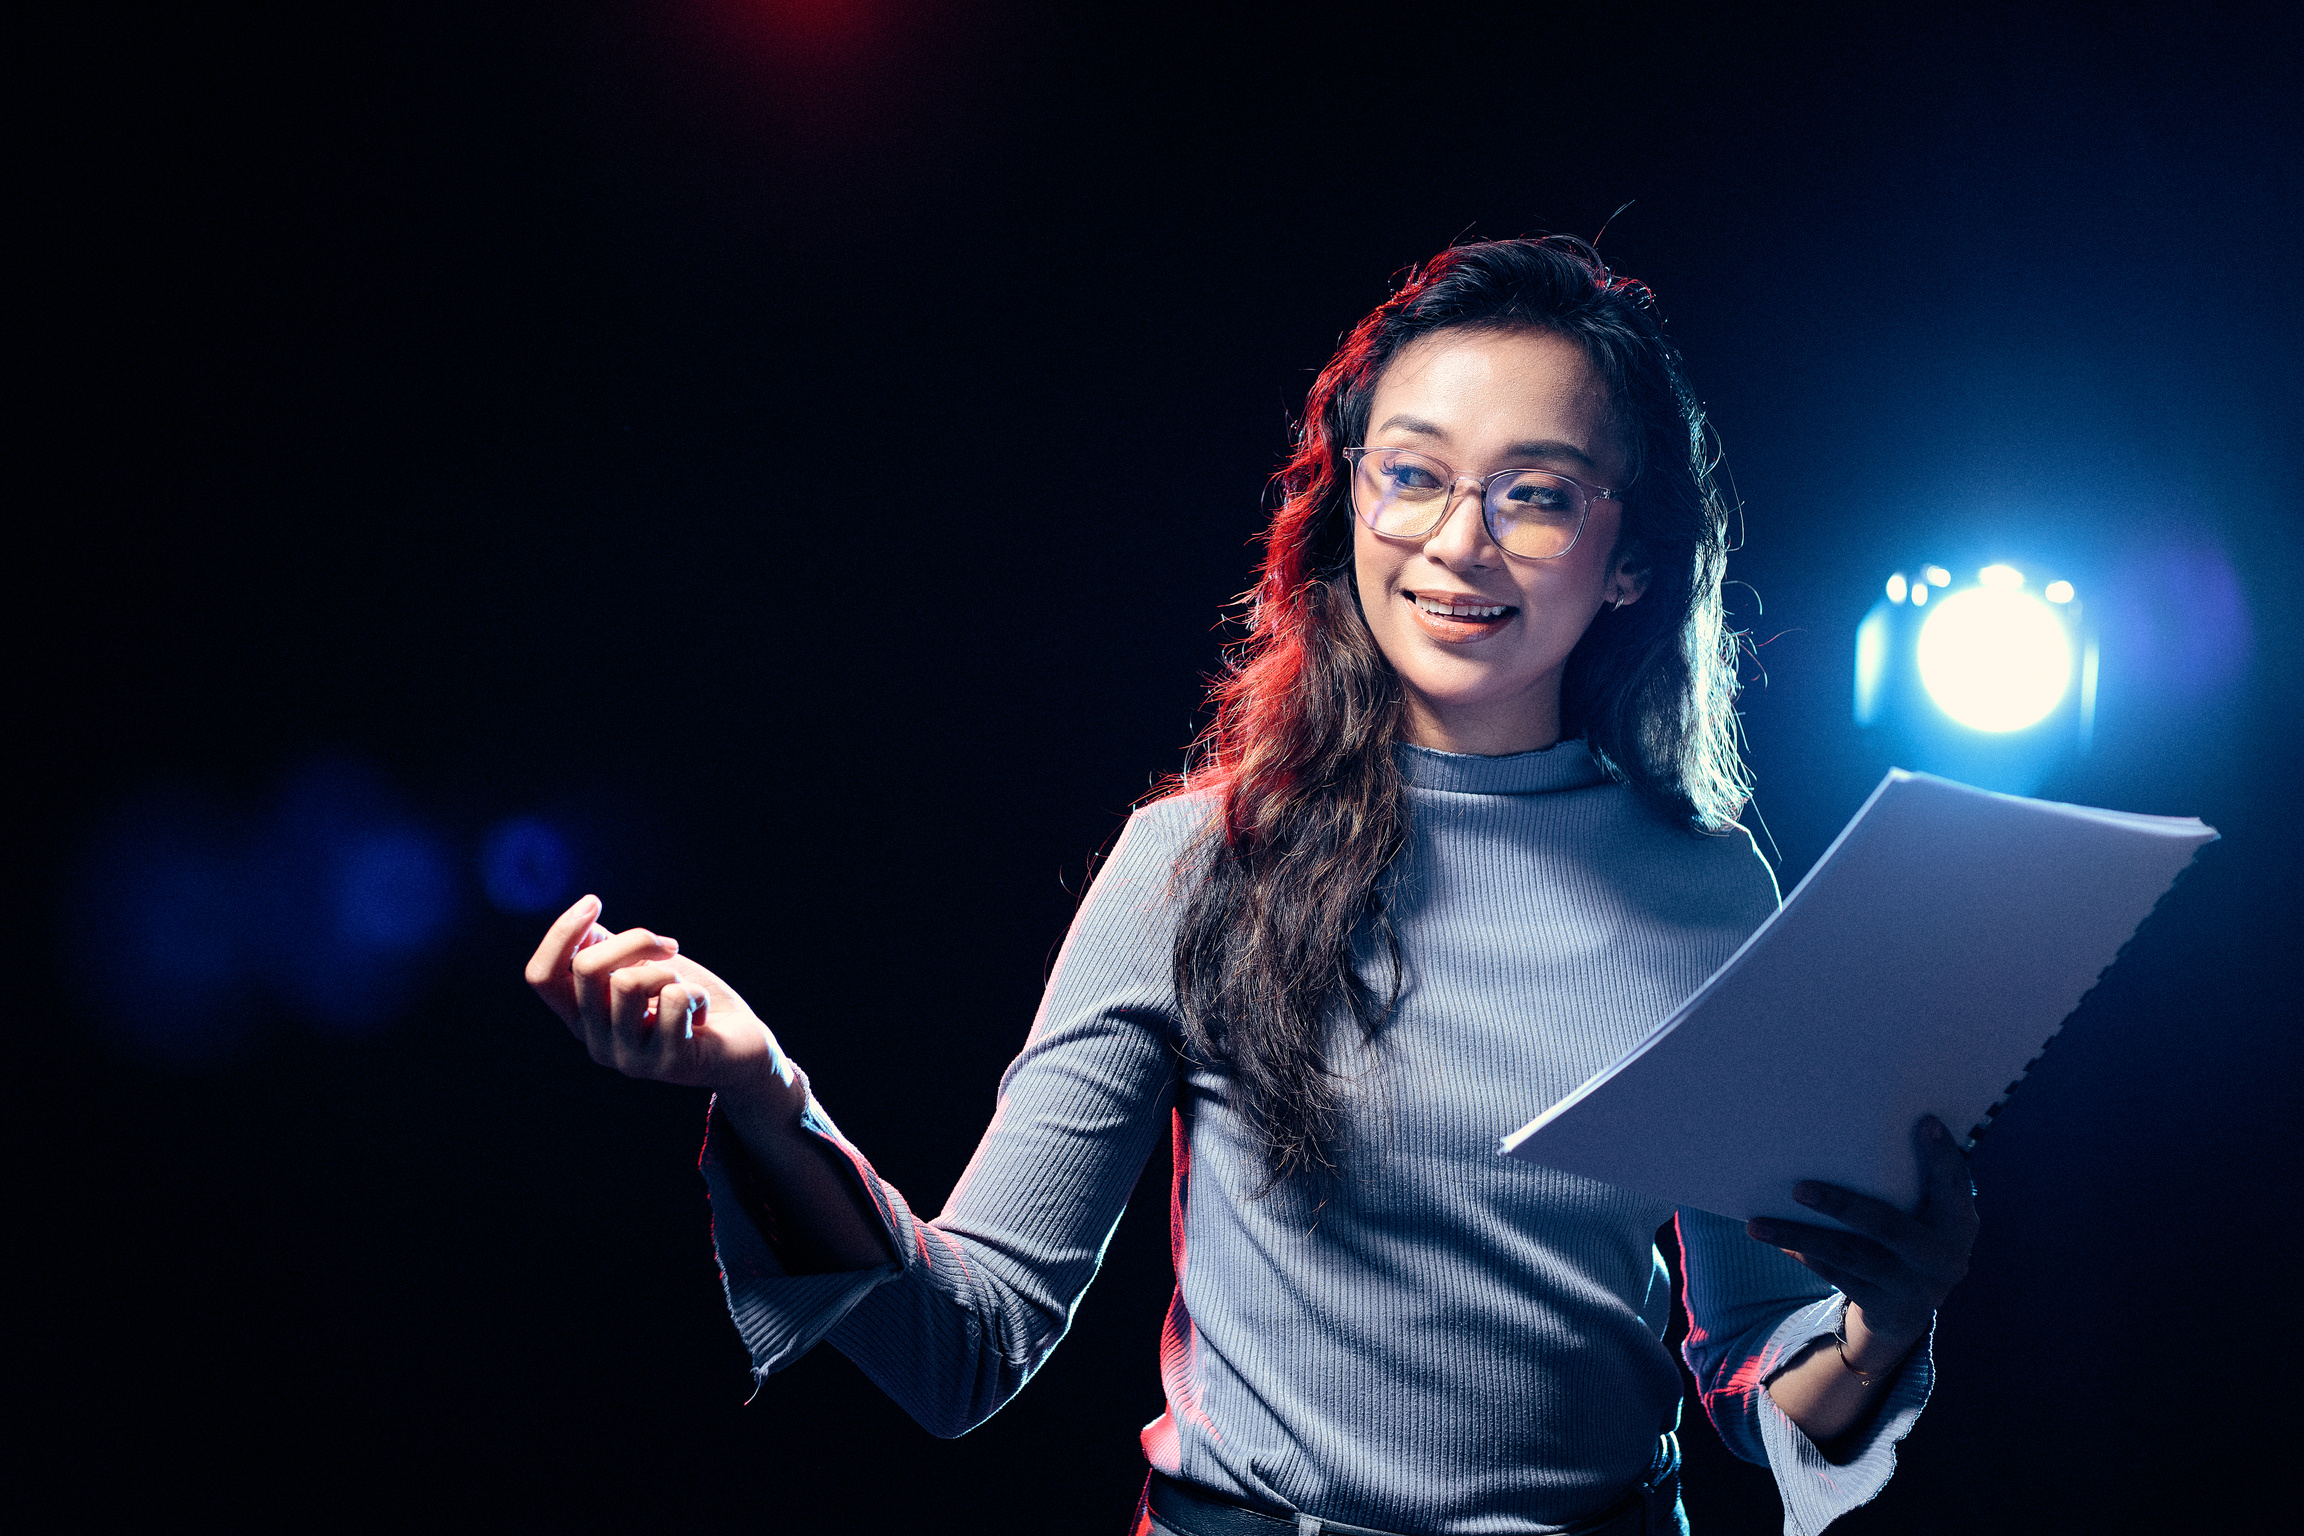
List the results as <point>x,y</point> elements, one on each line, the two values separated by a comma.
<point>1895,1269</point>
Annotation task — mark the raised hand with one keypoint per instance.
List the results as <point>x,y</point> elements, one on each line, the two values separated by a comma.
<point>641,1007</point>
<point>645,1009</point>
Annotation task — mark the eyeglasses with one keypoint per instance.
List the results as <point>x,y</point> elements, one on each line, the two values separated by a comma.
<point>1529,512</point>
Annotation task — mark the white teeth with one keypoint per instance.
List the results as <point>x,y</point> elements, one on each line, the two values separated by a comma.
<point>1461,610</point>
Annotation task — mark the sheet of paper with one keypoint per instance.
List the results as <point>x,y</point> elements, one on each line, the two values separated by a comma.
<point>1920,968</point>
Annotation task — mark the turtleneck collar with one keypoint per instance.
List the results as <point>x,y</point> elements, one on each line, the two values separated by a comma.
<point>1564,765</point>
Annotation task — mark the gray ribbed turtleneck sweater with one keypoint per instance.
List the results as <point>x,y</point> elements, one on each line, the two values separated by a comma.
<point>1461,1342</point>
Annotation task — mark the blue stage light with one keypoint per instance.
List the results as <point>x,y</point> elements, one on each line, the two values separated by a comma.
<point>527,866</point>
<point>1989,678</point>
<point>1994,659</point>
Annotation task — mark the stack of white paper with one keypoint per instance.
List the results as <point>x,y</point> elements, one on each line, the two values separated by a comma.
<point>1919,969</point>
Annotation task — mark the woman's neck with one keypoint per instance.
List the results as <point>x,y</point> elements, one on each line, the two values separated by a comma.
<point>1500,729</point>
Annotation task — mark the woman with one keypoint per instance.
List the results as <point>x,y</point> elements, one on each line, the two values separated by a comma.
<point>1459,836</point>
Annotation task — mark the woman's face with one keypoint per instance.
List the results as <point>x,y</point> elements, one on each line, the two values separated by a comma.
<point>1489,682</point>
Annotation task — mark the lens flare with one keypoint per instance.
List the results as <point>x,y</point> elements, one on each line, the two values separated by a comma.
<point>1994,658</point>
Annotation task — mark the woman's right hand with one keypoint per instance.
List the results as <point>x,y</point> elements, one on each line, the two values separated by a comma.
<point>642,1008</point>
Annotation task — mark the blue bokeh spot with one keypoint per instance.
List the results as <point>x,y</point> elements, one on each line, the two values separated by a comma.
<point>527,866</point>
<point>394,892</point>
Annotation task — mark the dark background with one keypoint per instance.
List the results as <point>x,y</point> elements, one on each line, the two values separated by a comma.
<point>446,414</point>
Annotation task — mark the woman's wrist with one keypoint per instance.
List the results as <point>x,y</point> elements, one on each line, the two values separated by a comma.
<point>764,1107</point>
<point>1869,1352</point>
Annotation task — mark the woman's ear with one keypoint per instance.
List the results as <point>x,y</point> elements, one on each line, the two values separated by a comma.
<point>1626,585</point>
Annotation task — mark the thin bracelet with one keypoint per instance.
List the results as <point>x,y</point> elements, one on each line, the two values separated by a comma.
<point>1840,1337</point>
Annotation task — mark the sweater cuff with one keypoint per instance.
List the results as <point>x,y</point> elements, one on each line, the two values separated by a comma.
<point>781,1316</point>
<point>1817,1491</point>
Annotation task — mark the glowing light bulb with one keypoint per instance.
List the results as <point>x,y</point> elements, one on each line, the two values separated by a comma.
<point>1896,587</point>
<point>1939,577</point>
<point>2001,578</point>
<point>1994,659</point>
<point>1919,593</point>
<point>2057,592</point>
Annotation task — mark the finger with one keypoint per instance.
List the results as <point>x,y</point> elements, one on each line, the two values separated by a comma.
<point>705,981</point>
<point>548,969</point>
<point>613,951</point>
<point>632,1001</point>
<point>1844,1251</point>
<point>1839,1279</point>
<point>663,1047</point>
<point>1779,1235</point>
<point>685,1005</point>
<point>1875,1219</point>
<point>596,962</point>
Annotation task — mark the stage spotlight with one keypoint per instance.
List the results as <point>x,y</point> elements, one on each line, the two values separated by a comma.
<point>1990,678</point>
<point>1994,658</point>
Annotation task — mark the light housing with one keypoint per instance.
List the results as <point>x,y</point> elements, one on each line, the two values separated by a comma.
<point>1985,673</point>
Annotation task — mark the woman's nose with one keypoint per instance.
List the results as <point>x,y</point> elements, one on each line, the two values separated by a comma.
<point>1462,537</point>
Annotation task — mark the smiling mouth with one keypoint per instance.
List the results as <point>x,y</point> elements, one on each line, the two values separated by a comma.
<point>1477,613</point>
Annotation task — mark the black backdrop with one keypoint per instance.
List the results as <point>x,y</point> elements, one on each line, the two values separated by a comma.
<point>499,406</point>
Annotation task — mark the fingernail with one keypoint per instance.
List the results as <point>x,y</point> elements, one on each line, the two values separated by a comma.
<point>1807,1194</point>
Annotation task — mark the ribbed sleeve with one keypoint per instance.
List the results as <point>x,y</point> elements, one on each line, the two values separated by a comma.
<point>1450,1341</point>
<point>781,1317</point>
<point>987,1289</point>
<point>1751,1312</point>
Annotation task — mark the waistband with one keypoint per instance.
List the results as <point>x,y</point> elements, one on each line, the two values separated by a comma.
<point>1647,1509</point>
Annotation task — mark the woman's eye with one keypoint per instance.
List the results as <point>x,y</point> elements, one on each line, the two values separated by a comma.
<point>1412,477</point>
<point>1539,497</point>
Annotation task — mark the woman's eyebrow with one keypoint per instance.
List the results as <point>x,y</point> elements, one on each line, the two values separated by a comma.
<point>1550,450</point>
<point>1546,448</point>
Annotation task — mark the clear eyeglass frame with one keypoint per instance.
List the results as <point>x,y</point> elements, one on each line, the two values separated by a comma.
<point>1511,501</point>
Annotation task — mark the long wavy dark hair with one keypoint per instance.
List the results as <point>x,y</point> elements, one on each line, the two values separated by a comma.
<point>1284,891</point>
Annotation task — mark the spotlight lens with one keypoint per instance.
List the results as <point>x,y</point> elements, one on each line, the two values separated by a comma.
<point>1896,587</point>
<point>1994,659</point>
<point>2057,592</point>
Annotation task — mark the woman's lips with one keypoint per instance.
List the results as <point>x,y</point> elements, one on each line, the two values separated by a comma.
<point>1456,620</point>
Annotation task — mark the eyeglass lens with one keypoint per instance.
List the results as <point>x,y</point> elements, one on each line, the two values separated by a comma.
<point>1529,513</point>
